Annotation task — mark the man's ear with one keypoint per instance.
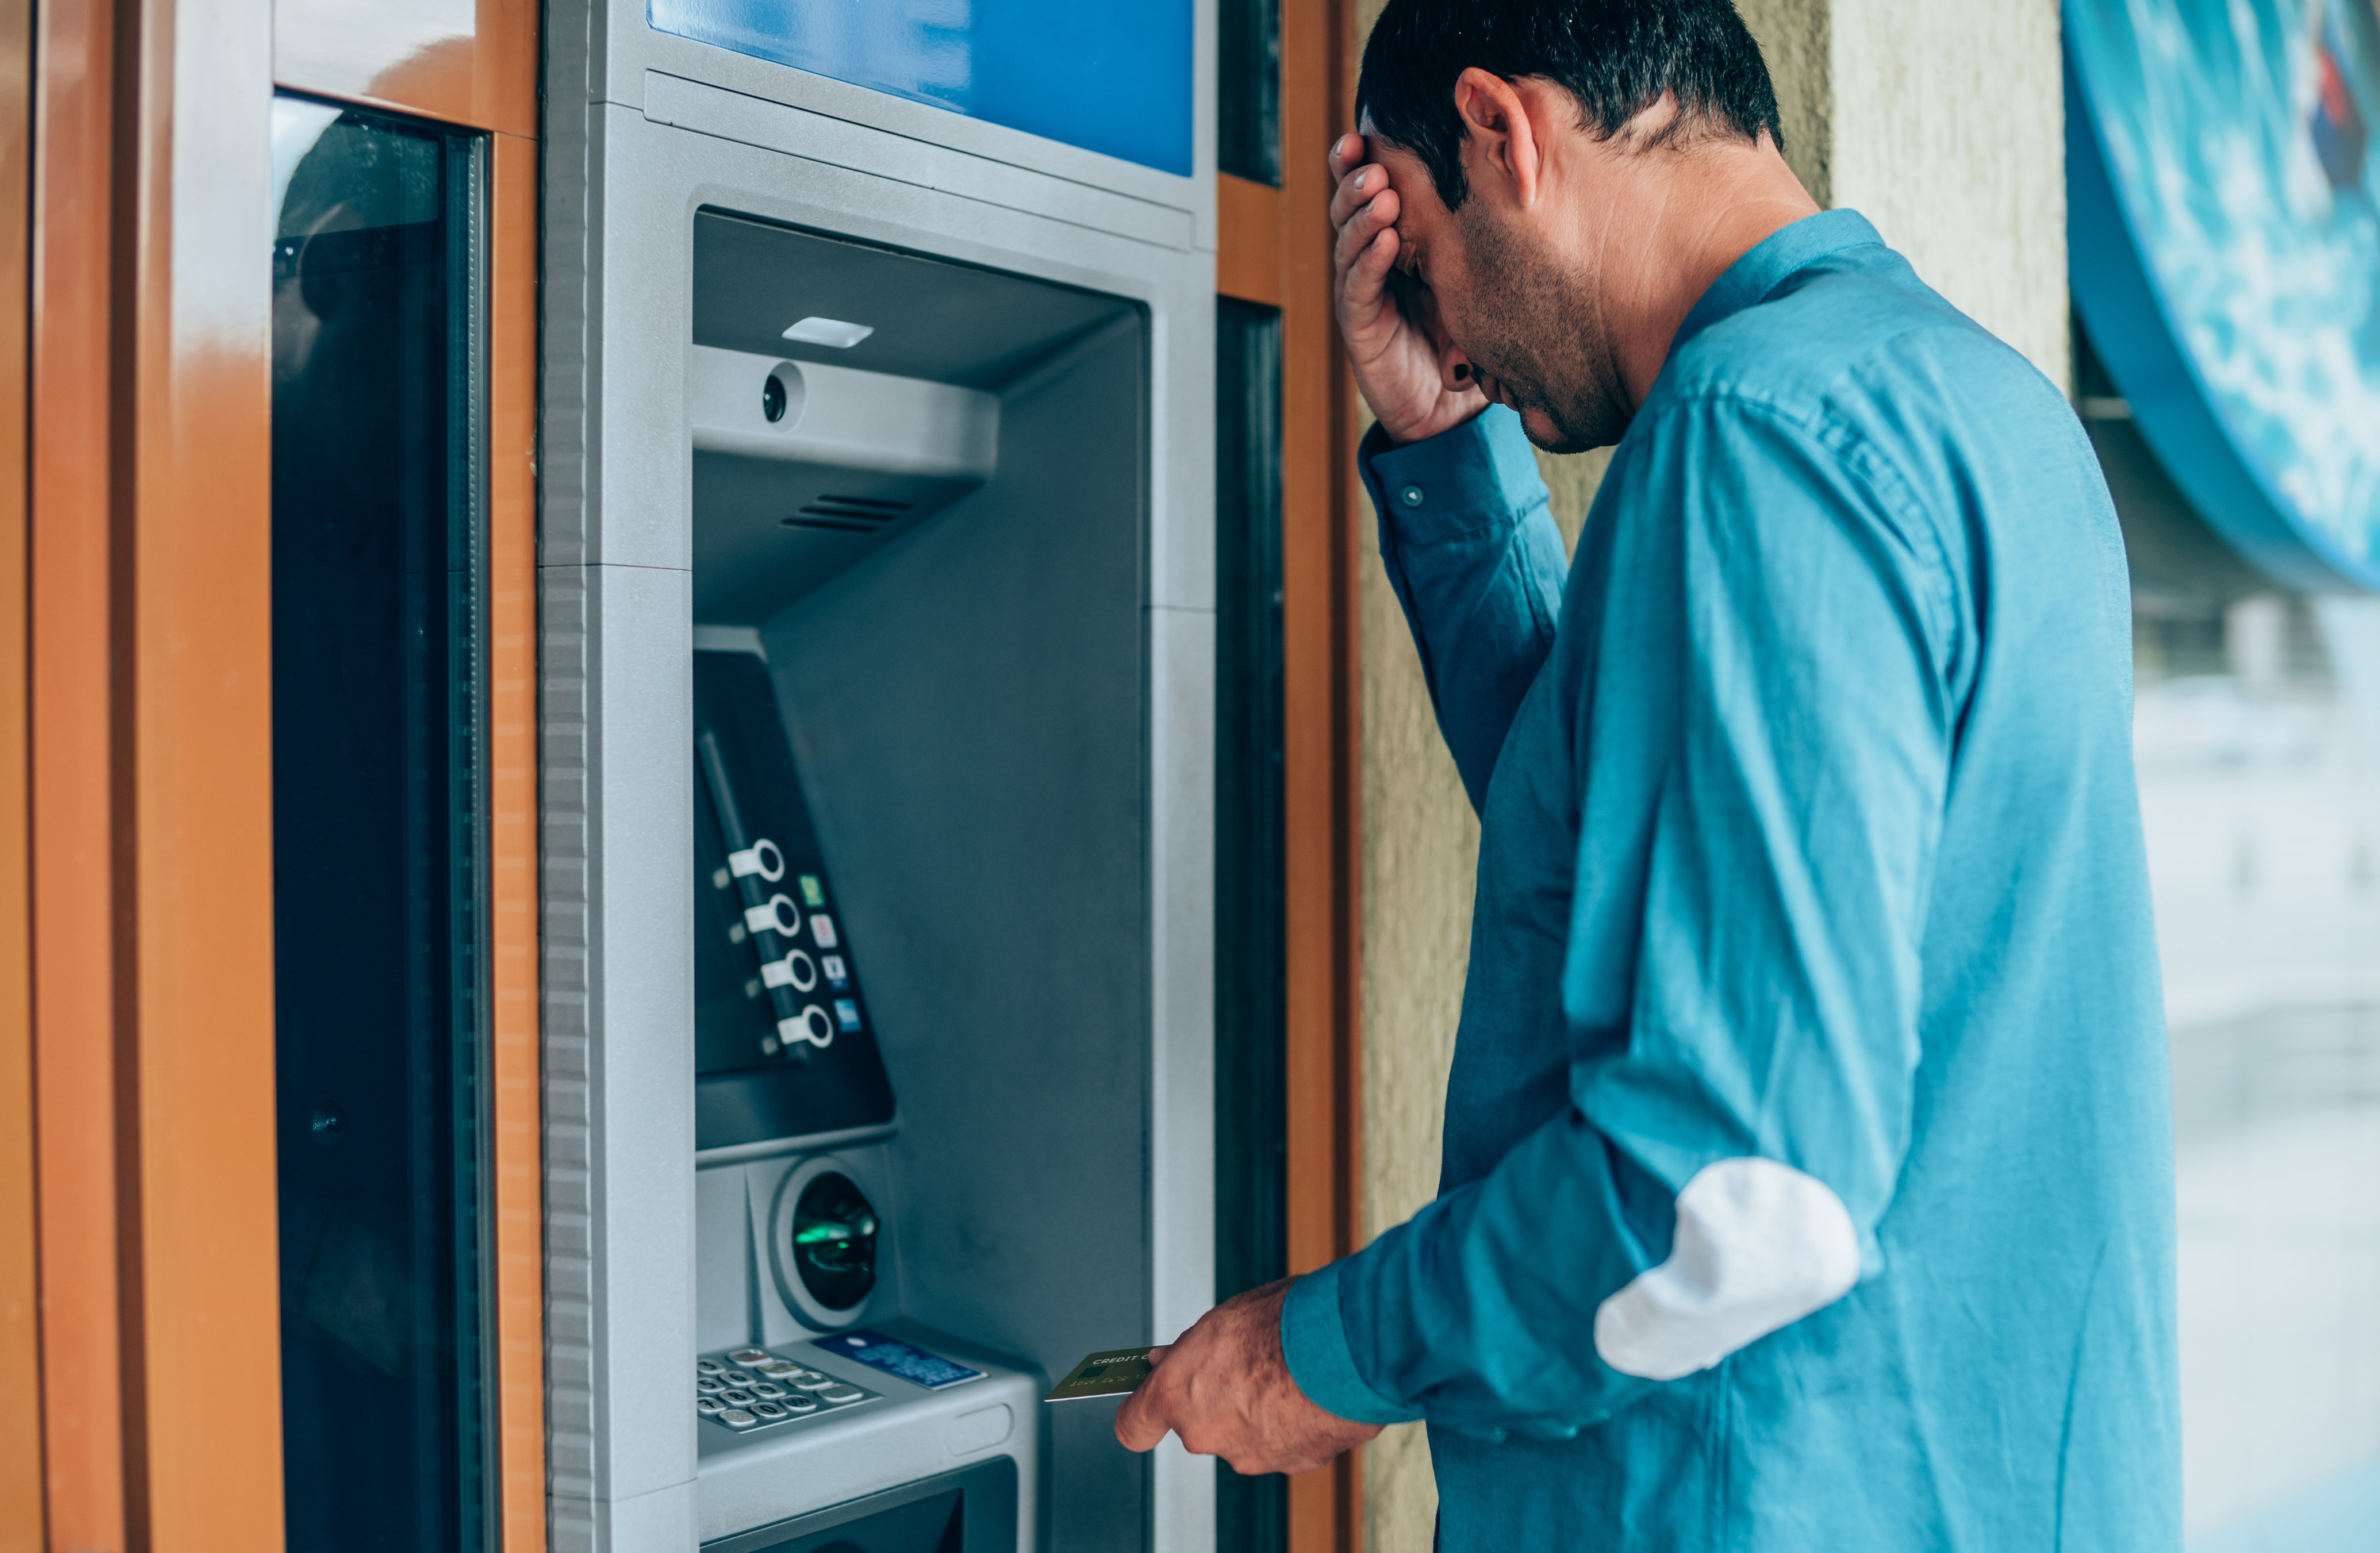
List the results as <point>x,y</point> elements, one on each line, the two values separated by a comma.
<point>1501,147</point>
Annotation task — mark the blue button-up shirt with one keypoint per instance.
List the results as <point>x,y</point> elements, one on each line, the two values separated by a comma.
<point>1808,835</point>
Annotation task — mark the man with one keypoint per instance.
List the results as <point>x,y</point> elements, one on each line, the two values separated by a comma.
<point>1807,1170</point>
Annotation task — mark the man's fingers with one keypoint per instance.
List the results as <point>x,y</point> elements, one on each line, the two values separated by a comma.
<point>1140,1422</point>
<point>1362,272</point>
<point>1345,151</point>
<point>1354,233</point>
<point>1364,299</point>
<point>1355,188</point>
<point>1364,218</point>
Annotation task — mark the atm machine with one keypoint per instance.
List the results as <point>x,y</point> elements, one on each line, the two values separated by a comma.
<point>876,682</point>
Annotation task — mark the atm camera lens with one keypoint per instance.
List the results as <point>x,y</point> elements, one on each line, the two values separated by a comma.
<point>834,1242</point>
<point>773,398</point>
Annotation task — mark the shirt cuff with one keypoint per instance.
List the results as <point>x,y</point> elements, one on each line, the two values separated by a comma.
<point>1314,1341</point>
<point>1471,477</point>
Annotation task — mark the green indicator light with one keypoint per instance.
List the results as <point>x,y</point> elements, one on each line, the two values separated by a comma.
<point>813,893</point>
<point>835,1232</point>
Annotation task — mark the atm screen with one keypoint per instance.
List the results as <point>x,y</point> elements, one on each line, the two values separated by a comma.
<point>784,1043</point>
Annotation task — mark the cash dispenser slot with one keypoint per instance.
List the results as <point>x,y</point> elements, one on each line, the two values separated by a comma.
<point>914,753</point>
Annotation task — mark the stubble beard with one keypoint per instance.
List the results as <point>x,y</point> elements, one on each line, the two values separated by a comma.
<point>1536,329</point>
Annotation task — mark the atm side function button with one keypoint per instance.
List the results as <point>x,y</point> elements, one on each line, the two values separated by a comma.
<point>776,1367</point>
<point>841,1393</point>
<point>810,1380</point>
<point>782,917</point>
<point>736,1418</point>
<point>748,1356</point>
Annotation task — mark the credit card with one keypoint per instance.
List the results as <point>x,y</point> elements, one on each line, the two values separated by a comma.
<point>1111,1374</point>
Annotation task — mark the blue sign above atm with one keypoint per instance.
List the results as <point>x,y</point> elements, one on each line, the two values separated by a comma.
<point>1113,78</point>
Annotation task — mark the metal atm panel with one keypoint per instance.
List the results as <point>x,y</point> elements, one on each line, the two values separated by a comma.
<point>944,780</point>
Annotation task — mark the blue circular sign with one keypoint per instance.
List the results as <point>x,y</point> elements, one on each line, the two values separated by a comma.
<point>2223,228</point>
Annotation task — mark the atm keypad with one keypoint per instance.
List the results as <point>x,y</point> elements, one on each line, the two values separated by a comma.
<point>750,1389</point>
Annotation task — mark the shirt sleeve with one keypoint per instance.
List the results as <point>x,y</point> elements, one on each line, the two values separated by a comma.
<point>1477,564</point>
<point>1768,704</point>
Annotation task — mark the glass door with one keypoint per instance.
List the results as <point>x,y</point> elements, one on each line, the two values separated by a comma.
<point>377,497</point>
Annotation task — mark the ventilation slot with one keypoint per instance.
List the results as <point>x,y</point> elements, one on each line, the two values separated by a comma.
<point>846,514</point>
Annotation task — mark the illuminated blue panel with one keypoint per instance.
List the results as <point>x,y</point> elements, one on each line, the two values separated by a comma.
<point>1111,76</point>
<point>2223,224</point>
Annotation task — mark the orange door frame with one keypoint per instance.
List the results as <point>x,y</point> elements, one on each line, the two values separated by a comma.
<point>1273,247</point>
<point>71,777</point>
<point>21,1520</point>
<point>147,726</point>
<point>135,757</point>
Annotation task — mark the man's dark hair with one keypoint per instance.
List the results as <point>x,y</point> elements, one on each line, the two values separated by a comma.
<point>1617,58</point>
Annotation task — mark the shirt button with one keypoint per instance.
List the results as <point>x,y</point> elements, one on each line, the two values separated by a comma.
<point>1411,496</point>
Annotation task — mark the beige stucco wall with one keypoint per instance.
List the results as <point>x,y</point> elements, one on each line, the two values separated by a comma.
<point>1940,121</point>
<point>1944,123</point>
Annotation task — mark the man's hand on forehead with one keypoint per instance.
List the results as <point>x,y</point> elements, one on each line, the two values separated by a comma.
<point>1405,368</point>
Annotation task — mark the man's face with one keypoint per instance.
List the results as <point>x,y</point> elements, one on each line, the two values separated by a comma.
<point>1508,307</point>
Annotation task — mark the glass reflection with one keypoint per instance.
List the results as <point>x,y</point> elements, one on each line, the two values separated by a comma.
<point>375,747</point>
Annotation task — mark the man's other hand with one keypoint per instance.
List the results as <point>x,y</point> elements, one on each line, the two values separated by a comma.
<point>1225,1389</point>
<point>1400,363</point>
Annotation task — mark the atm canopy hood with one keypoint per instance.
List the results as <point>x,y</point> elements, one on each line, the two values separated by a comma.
<point>2224,221</point>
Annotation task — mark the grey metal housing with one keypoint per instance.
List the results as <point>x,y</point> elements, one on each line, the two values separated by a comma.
<point>643,131</point>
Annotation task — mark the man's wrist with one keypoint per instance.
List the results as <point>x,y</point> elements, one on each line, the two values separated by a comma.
<point>1466,478</point>
<point>1422,430</point>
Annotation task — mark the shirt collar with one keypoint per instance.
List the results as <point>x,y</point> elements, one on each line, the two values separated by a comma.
<point>1772,260</point>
